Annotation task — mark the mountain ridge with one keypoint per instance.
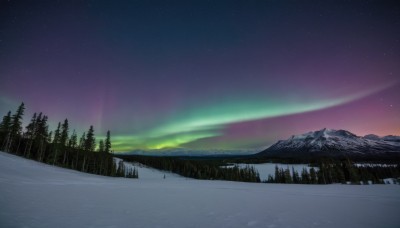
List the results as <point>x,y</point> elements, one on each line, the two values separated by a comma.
<point>334,143</point>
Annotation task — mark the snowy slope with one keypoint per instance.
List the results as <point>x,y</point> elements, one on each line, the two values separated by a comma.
<point>334,143</point>
<point>37,195</point>
<point>148,173</point>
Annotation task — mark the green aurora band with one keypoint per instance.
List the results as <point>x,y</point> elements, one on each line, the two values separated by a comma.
<point>208,122</point>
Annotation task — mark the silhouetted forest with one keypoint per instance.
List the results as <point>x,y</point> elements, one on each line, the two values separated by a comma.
<point>197,168</point>
<point>59,147</point>
<point>336,172</point>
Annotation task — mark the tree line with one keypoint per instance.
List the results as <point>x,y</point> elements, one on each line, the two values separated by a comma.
<point>336,172</point>
<point>59,147</point>
<point>198,169</point>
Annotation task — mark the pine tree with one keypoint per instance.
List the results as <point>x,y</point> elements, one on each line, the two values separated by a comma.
<point>89,146</point>
<point>270,179</point>
<point>64,133</point>
<point>90,142</point>
<point>80,148</point>
<point>42,136</point>
<point>16,126</point>
<point>107,146</point>
<point>57,134</point>
<point>72,142</point>
<point>288,177</point>
<point>121,169</point>
<point>5,128</point>
<point>313,176</point>
<point>64,139</point>
<point>56,142</point>
<point>30,134</point>
<point>101,146</point>
<point>305,177</point>
<point>353,175</point>
<point>5,124</point>
<point>296,176</point>
<point>82,141</point>
<point>277,175</point>
<point>50,138</point>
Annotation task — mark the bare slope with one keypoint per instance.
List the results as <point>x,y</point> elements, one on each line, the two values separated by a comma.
<point>38,195</point>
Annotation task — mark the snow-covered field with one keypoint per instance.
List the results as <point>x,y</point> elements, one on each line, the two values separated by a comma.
<point>38,195</point>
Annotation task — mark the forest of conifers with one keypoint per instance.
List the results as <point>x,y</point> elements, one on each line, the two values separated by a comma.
<point>59,147</point>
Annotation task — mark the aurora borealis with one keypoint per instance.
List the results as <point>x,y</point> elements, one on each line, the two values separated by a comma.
<point>202,75</point>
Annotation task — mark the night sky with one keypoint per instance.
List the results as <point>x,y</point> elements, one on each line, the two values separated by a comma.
<point>202,75</point>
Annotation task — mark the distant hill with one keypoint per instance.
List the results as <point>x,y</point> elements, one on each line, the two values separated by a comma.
<point>334,143</point>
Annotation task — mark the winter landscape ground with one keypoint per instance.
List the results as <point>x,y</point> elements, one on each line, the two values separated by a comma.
<point>38,195</point>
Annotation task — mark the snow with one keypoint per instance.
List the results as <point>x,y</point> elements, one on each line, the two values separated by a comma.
<point>148,173</point>
<point>39,195</point>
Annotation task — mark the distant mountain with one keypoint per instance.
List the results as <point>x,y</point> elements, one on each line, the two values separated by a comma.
<point>391,138</point>
<point>334,143</point>
<point>372,137</point>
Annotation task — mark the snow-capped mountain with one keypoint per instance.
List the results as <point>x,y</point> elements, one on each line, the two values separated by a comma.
<point>329,142</point>
<point>391,138</point>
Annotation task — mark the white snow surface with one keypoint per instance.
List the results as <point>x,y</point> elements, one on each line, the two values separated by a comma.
<point>33,194</point>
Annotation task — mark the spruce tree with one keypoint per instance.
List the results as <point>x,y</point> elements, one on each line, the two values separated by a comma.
<point>354,177</point>
<point>56,142</point>
<point>89,146</point>
<point>30,134</point>
<point>50,138</point>
<point>5,128</point>
<point>107,146</point>
<point>16,126</point>
<point>80,148</point>
<point>277,175</point>
<point>313,176</point>
<point>5,124</point>
<point>305,176</point>
<point>296,176</point>
<point>101,146</point>
<point>64,133</point>
<point>42,136</point>
<point>90,142</point>
<point>72,142</point>
<point>64,139</point>
<point>82,141</point>
<point>288,177</point>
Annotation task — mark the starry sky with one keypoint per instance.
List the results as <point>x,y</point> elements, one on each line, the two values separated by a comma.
<point>203,75</point>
